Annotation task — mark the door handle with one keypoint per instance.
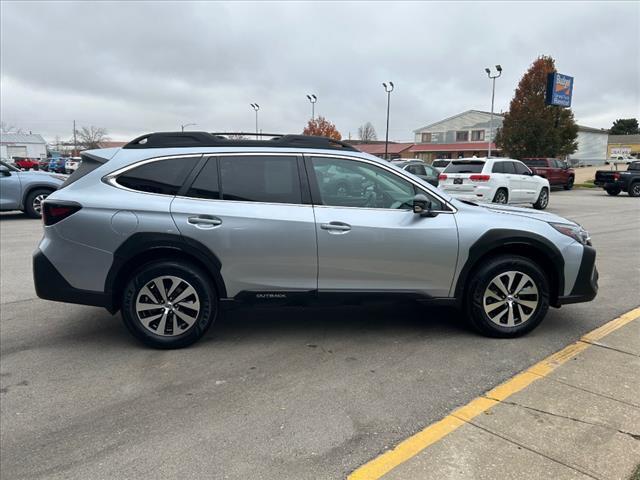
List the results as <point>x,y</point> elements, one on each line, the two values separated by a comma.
<point>203,220</point>
<point>335,226</point>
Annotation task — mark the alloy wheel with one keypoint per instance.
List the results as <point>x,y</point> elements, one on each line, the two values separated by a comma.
<point>167,306</point>
<point>636,189</point>
<point>37,202</point>
<point>501,197</point>
<point>543,201</point>
<point>510,299</point>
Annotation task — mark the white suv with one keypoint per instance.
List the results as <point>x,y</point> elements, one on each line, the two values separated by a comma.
<point>497,180</point>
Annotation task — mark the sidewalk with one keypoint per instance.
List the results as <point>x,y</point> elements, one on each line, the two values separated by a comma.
<point>575,415</point>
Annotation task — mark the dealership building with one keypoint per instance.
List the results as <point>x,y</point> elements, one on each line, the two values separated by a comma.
<point>26,145</point>
<point>624,145</point>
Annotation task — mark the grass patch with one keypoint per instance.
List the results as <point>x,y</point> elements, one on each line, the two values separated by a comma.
<point>587,184</point>
<point>636,474</point>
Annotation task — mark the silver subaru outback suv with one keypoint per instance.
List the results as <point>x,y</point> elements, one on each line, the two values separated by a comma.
<point>174,226</point>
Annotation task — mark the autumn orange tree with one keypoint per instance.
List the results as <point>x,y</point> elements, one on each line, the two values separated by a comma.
<point>531,128</point>
<point>322,127</point>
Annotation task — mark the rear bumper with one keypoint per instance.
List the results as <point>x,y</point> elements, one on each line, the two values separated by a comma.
<point>51,285</point>
<point>586,287</point>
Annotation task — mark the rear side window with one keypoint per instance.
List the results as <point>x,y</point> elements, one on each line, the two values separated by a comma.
<point>498,167</point>
<point>440,163</point>
<point>163,176</point>
<point>465,167</point>
<point>535,162</point>
<point>260,178</point>
<point>207,183</point>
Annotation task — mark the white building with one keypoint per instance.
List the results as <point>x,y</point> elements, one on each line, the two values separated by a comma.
<point>592,146</point>
<point>22,145</point>
<point>466,134</point>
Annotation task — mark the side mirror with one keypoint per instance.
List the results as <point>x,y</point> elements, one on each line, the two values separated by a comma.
<point>422,206</point>
<point>4,171</point>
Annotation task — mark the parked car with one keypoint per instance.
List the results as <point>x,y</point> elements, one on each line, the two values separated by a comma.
<point>26,190</point>
<point>556,171</point>
<point>179,224</point>
<point>626,159</point>
<point>72,164</point>
<point>25,163</point>
<point>440,164</point>
<point>56,164</point>
<point>615,182</point>
<point>419,169</point>
<point>497,180</point>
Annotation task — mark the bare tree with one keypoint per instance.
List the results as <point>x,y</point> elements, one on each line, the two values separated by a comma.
<point>367,133</point>
<point>91,137</point>
<point>6,128</point>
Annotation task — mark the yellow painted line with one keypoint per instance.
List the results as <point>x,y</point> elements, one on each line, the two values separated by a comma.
<point>413,445</point>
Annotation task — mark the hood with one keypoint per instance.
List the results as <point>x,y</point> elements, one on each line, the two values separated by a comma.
<point>528,213</point>
<point>58,177</point>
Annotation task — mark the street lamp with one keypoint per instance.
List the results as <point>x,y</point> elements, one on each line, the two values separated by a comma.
<point>256,107</point>
<point>387,88</point>
<point>182,127</point>
<point>493,94</point>
<point>313,99</point>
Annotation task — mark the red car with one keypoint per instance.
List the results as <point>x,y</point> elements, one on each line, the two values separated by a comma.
<point>556,171</point>
<point>25,163</point>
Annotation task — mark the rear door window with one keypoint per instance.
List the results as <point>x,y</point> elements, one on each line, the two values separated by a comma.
<point>207,183</point>
<point>260,178</point>
<point>163,177</point>
<point>498,167</point>
<point>465,167</point>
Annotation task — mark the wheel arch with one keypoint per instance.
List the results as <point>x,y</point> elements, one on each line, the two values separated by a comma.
<point>513,242</point>
<point>36,186</point>
<point>143,248</point>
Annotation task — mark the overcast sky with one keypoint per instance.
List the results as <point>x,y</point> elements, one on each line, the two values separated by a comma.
<point>138,67</point>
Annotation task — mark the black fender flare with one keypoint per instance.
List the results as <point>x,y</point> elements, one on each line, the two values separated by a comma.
<point>498,239</point>
<point>144,246</point>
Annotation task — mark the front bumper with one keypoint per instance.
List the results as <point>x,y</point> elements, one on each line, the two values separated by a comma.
<point>586,287</point>
<point>51,285</point>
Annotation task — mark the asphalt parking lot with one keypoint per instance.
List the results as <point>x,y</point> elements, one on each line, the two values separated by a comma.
<point>268,393</point>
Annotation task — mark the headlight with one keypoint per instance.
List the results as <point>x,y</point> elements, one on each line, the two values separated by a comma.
<point>578,233</point>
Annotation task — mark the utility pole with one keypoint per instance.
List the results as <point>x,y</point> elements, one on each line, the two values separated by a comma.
<point>387,88</point>
<point>75,143</point>
<point>493,94</point>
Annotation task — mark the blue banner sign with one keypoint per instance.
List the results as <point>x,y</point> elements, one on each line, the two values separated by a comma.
<point>559,89</point>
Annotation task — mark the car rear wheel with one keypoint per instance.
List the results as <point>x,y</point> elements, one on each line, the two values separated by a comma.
<point>501,196</point>
<point>613,191</point>
<point>569,184</point>
<point>169,304</point>
<point>543,200</point>
<point>508,297</point>
<point>634,189</point>
<point>33,202</point>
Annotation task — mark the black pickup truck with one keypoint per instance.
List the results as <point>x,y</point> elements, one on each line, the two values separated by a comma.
<point>615,182</point>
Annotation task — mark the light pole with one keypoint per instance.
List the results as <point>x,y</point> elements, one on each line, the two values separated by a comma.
<point>387,88</point>
<point>182,127</point>
<point>256,107</point>
<point>493,94</point>
<point>313,99</point>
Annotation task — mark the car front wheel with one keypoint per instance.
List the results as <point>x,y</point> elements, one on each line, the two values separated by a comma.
<point>508,297</point>
<point>33,202</point>
<point>543,200</point>
<point>169,304</point>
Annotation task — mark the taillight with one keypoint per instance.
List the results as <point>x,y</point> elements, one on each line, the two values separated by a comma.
<point>442,176</point>
<point>479,178</point>
<point>53,212</point>
<point>616,176</point>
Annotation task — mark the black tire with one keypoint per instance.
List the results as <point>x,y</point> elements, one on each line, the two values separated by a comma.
<point>569,184</point>
<point>501,196</point>
<point>481,280</point>
<point>613,191</point>
<point>33,202</point>
<point>543,199</point>
<point>634,189</point>
<point>191,275</point>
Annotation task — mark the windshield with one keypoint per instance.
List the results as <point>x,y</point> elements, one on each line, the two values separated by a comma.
<point>470,166</point>
<point>10,167</point>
